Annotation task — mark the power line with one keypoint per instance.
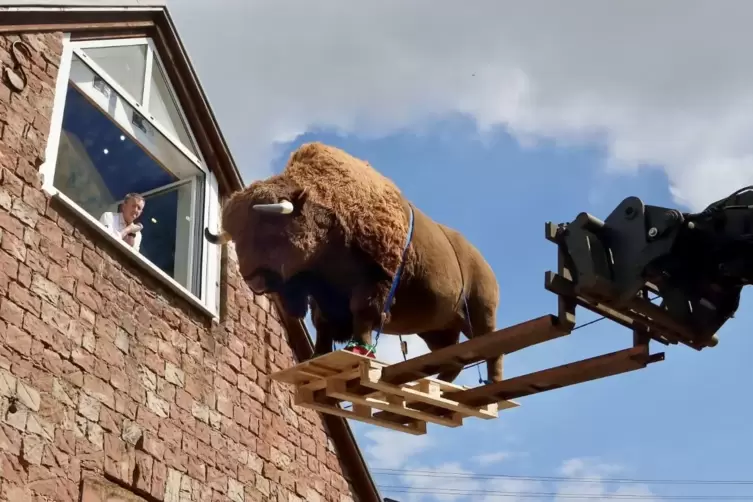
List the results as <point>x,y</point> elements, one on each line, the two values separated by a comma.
<point>566,495</point>
<point>471,476</point>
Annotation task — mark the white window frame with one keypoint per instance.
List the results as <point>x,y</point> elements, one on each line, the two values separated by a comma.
<point>209,267</point>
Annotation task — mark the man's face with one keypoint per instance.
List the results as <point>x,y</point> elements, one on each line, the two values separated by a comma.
<point>132,209</point>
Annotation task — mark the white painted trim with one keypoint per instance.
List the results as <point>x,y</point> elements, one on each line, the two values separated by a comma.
<point>137,257</point>
<point>211,269</point>
<point>192,258</point>
<point>47,169</point>
<point>126,96</point>
<point>176,101</point>
<point>147,76</point>
<point>115,42</point>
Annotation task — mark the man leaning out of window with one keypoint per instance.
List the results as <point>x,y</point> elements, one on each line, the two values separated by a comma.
<point>122,225</point>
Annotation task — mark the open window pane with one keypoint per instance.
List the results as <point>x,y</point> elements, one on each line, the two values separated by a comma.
<point>98,164</point>
<point>125,64</point>
<point>168,242</point>
<point>131,121</point>
<point>106,152</point>
<point>163,108</point>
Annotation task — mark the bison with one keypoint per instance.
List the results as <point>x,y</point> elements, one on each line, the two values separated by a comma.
<point>329,232</point>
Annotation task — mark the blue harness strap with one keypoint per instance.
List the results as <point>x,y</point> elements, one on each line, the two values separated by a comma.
<point>395,281</point>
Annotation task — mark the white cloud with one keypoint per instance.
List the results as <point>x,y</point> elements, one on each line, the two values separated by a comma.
<point>658,83</point>
<point>492,458</point>
<point>595,472</point>
<point>392,450</point>
<point>576,478</point>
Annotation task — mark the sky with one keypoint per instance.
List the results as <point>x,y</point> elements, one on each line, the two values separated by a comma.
<point>494,117</point>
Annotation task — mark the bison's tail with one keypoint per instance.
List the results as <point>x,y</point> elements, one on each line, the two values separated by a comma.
<point>222,238</point>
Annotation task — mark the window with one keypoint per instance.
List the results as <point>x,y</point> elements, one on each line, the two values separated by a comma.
<point>121,131</point>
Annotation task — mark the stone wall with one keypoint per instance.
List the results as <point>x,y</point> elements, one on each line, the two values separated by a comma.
<point>105,374</point>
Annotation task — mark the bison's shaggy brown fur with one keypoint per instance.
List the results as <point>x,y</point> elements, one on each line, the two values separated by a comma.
<point>368,206</point>
<point>339,241</point>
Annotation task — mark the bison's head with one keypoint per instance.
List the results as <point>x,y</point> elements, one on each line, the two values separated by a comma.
<point>275,229</point>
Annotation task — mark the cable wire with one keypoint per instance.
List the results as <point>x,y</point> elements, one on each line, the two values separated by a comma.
<point>558,495</point>
<point>471,476</point>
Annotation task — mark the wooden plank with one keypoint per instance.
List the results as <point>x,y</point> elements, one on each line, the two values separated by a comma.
<point>395,404</point>
<point>594,368</point>
<point>325,365</point>
<point>428,402</point>
<point>306,399</point>
<point>504,341</point>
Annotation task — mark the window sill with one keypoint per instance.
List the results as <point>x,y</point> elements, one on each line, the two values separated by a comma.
<point>134,256</point>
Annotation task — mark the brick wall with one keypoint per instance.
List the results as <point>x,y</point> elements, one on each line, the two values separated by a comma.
<point>104,372</point>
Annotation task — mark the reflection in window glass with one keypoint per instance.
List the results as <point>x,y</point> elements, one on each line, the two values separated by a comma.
<point>167,231</point>
<point>99,163</point>
<point>163,107</point>
<point>126,65</point>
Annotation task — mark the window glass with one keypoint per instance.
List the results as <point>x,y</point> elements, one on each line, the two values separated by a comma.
<point>167,235</point>
<point>126,65</point>
<point>107,150</point>
<point>163,107</point>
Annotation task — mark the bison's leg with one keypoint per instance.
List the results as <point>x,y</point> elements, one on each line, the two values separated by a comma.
<point>483,321</point>
<point>440,339</point>
<point>367,306</point>
<point>325,332</point>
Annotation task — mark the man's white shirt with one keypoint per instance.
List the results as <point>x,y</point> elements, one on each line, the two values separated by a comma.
<point>115,223</point>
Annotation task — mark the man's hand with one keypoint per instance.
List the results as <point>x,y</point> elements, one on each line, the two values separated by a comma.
<point>128,233</point>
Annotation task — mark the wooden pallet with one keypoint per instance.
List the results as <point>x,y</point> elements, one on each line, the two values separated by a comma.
<point>405,398</point>
<point>327,381</point>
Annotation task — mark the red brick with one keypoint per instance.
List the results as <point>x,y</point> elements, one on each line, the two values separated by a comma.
<point>110,421</point>
<point>88,297</point>
<point>153,446</point>
<point>100,390</point>
<point>12,245</point>
<point>109,353</point>
<point>147,419</point>
<point>171,434</point>
<point>24,299</point>
<point>18,340</point>
<point>11,313</point>
<point>143,472</point>
<point>159,478</point>
<point>176,459</point>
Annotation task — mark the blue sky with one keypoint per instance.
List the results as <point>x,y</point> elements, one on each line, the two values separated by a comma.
<point>649,91</point>
<point>684,418</point>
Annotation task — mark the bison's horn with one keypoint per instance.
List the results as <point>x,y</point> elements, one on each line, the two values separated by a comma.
<point>284,207</point>
<point>221,239</point>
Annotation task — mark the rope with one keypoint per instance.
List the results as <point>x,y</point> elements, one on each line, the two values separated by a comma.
<point>470,333</point>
